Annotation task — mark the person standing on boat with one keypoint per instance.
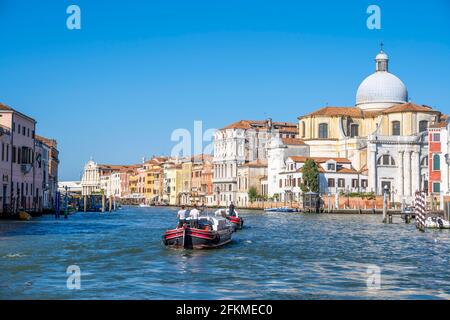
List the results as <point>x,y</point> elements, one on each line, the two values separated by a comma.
<point>194,214</point>
<point>181,216</point>
<point>231,209</point>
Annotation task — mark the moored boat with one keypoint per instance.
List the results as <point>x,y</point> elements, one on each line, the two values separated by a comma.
<point>282,209</point>
<point>436,223</point>
<point>211,232</point>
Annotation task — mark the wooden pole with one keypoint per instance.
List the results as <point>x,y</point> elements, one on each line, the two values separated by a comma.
<point>85,203</point>
<point>110,203</point>
<point>103,201</point>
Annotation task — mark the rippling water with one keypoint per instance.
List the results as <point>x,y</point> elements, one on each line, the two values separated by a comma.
<point>276,256</point>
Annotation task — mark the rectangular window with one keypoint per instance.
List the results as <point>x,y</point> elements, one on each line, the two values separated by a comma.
<point>395,128</point>
<point>355,183</point>
<point>7,153</point>
<point>364,183</point>
<point>331,183</point>
<point>3,152</point>
<point>13,154</point>
<point>281,183</point>
<point>436,187</point>
<point>436,137</point>
<point>341,183</point>
<point>331,167</point>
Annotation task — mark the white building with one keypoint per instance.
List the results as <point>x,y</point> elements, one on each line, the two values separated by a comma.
<point>90,181</point>
<point>239,143</point>
<point>279,150</point>
<point>336,175</point>
<point>383,134</point>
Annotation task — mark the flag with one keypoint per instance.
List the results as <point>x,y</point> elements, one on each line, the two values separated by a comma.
<point>420,210</point>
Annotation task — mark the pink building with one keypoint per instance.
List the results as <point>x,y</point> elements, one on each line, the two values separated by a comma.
<point>21,166</point>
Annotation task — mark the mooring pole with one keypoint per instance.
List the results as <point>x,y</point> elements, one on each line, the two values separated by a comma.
<point>385,205</point>
<point>85,203</point>
<point>103,201</point>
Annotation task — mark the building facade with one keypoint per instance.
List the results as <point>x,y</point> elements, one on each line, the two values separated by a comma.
<point>237,144</point>
<point>384,135</point>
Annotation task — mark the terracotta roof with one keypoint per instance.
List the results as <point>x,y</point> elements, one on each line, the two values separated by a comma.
<point>292,141</point>
<point>319,159</point>
<point>346,170</point>
<point>409,107</point>
<point>438,125</point>
<point>48,142</point>
<point>261,125</point>
<point>114,167</point>
<point>356,112</point>
<point>337,111</point>
<point>256,164</point>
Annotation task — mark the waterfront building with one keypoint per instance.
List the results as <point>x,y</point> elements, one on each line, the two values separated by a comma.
<point>24,165</point>
<point>383,135</point>
<point>336,175</point>
<point>133,178</point>
<point>249,176</point>
<point>201,182</point>
<point>239,143</point>
<point>172,174</point>
<point>50,164</point>
<point>154,179</point>
<point>185,182</point>
<point>22,188</point>
<point>279,149</point>
<point>5,168</point>
<point>438,184</point>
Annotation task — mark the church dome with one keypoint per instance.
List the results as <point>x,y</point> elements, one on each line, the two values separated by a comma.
<point>382,89</point>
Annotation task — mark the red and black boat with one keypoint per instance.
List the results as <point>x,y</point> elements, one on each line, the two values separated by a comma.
<point>235,219</point>
<point>211,232</point>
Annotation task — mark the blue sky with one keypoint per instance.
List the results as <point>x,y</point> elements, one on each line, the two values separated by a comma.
<point>137,70</point>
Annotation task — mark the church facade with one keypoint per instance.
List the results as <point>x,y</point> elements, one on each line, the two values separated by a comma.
<point>384,135</point>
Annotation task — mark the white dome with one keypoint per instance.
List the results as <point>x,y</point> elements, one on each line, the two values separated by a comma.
<point>382,89</point>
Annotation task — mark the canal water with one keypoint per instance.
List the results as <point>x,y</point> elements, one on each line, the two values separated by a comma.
<point>276,256</point>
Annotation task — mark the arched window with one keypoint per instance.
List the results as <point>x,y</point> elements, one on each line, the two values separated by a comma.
<point>386,160</point>
<point>424,162</point>
<point>436,162</point>
<point>323,131</point>
<point>395,128</point>
<point>303,129</point>
<point>423,126</point>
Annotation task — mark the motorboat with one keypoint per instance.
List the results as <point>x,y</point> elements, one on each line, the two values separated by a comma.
<point>211,232</point>
<point>436,223</point>
<point>281,209</point>
<point>235,219</point>
<point>144,205</point>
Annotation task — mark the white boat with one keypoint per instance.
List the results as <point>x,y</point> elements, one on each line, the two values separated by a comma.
<point>144,205</point>
<point>436,223</point>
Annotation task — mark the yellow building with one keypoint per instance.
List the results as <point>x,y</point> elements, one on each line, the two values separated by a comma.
<point>172,176</point>
<point>384,135</point>
<point>186,182</point>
